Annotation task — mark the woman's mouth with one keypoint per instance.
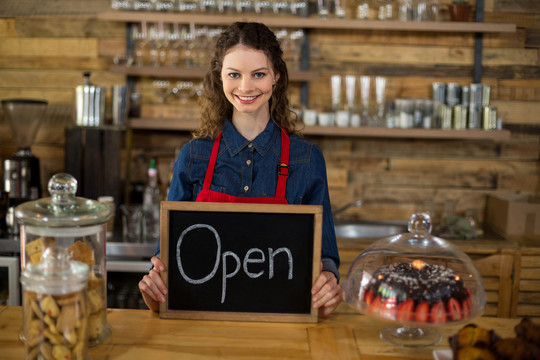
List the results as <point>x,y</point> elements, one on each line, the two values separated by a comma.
<point>247,99</point>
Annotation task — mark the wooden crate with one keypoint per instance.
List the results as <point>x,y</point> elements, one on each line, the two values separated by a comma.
<point>527,302</point>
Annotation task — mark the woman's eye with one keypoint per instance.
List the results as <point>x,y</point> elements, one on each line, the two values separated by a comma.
<point>259,75</point>
<point>234,75</point>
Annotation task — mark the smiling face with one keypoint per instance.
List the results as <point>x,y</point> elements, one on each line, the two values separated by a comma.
<point>247,78</point>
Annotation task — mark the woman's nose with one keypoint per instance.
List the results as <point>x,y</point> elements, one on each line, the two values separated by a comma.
<point>246,84</point>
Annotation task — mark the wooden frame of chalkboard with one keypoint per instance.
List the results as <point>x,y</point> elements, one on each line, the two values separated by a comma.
<point>247,262</point>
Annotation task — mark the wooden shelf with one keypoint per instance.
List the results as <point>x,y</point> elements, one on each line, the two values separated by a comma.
<point>300,22</point>
<point>362,131</point>
<point>187,73</point>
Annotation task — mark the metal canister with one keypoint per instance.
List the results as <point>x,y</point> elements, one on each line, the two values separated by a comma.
<point>475,106</point>
<point>439,97</point>
<point>445,114</point>
<point>438,92</point>
<point>460,117</point>
<point>89,103</point>
<point>453,94</point>
<point>489,118</point>
<point>465,95</point>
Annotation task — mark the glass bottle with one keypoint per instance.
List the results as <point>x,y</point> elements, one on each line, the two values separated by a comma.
<point>151,202</point>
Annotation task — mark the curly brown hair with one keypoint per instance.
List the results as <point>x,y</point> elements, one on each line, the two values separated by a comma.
<point>215,107</point>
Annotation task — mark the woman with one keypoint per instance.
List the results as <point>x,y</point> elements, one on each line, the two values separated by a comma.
<point>247,149</point>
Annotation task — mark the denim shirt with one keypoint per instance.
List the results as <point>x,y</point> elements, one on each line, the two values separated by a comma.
<point>249,169</point>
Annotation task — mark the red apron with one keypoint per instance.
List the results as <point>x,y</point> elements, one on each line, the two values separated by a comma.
<point>207,195</point>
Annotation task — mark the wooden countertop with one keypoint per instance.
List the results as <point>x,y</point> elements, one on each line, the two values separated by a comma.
<point>140,334</point>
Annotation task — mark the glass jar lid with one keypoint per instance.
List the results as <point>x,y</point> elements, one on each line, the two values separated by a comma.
<point>63,208</point>
<point>56,274</point>
<point>415,278</point>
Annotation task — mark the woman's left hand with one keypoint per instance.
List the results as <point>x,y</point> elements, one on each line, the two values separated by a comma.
<point>327,293</point>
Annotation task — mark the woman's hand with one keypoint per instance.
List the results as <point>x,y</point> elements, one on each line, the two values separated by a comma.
<point>327,293</point>
<point>152,287</point>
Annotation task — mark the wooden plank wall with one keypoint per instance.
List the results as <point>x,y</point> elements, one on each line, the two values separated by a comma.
<point>44,57</point>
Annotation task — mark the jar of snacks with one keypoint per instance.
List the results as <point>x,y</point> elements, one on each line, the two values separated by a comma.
<point>55,311</point>
<point>79,226</point>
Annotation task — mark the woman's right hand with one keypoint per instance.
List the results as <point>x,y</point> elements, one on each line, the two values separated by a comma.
<point>152,287</point>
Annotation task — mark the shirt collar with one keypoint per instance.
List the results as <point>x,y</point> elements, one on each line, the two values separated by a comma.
<point>236,142</point>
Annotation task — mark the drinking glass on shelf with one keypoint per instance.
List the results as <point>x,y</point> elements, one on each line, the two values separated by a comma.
<point>323,8</point>
<point>213,34</point>
<point>226,6</point>
<point>200,46</point>
<point>188,42</point>
<point>433,10</point>
<point>245,6</point>
<point>405,10</point>
<point>350,91</point>
<point>282,36</point>
<point>139,35</point>
<point>280,6</point>
<point>208,6</point>
<point>365,86</point>
<point>163,5</point>
<point>175,43</point>
<point>183,91</point>
<point>380,92</point>
<point>335,84</point>
<point>362,10</point>
<point>143,5</point>
<point>188,6</point>
<point>263,6</point>
<point>121,4</point>
<point>296,38</point>
<point>299,7</point>
<point>340,9</point>
<point>421,10</point>
<point>158,41</point>
<point>162,89</point>
<point>384,9</point>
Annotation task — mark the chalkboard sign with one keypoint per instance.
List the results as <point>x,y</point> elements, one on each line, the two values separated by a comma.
<point>251,262</point>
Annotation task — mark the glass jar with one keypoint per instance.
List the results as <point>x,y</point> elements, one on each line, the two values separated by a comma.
<point>55,312</point>
<point>78,225</point>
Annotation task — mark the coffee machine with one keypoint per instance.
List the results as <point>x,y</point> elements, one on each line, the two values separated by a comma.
<point>21,174</point>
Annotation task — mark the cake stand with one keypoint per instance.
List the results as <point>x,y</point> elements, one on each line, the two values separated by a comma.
<point>381,283</point>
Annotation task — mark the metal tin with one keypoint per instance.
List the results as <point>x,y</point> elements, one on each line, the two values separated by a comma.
<point>89,104</point>
<point>489,118</point>
<point>465,95</point>
<point>460,117</point>
<point>445,114</point>
<point>439,97</point>
<point>439,92</point>
<point>475,105</point>
<point>453,94</point>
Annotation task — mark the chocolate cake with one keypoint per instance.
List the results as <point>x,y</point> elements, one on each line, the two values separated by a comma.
<point>419,292</point>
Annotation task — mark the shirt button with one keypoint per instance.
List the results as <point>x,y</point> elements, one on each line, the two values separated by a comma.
<point>248,162</point>
<point>246,188</point>
<point>250,145</point>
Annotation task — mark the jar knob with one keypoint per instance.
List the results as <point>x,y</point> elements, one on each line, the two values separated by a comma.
<point>62,188</point>
<point>420,224</point>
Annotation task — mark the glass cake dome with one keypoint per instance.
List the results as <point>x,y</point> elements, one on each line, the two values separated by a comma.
<point>417,281</point>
